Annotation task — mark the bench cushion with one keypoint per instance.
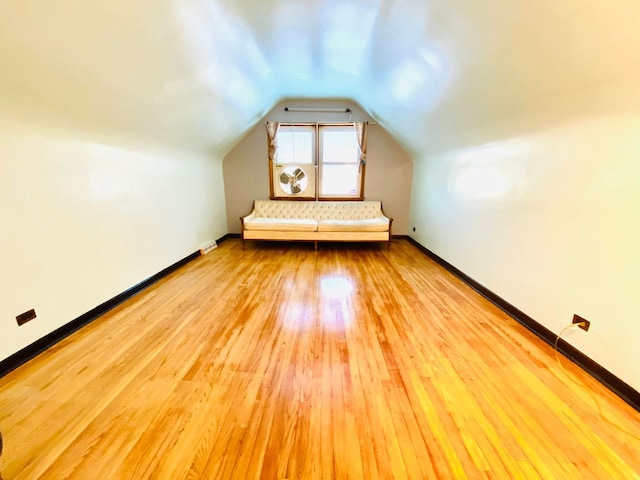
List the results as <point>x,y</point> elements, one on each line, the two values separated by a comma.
<point>282,224</point>
<point>366,225</point>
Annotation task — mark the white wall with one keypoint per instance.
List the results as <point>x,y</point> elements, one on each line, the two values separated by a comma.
<point>85,217</point>
<point>388,175</point>
<point>548,220</point>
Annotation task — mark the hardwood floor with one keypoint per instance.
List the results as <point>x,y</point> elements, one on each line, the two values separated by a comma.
<point>281,362</point>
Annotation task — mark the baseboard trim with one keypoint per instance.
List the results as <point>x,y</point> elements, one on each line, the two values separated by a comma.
<point>399,237</point>
<point>228,236</point>
<point>625,391</point>
<point>30,351</point>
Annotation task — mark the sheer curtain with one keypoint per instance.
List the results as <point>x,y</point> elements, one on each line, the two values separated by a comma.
<point>361,135</point>
<point>272,132</point>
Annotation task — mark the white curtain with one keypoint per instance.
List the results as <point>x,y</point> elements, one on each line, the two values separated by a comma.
<point>361,135</point>
<point>272,132</point>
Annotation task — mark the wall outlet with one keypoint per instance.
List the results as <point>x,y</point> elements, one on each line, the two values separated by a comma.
<point>584,324</point>
<point>26,317</point>
<point>414,229</point>
<point>207,247</point>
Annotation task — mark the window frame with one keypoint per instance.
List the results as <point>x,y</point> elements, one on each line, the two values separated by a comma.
<point>318,165</point>
<point>321,163</point>
<point>314,141</point>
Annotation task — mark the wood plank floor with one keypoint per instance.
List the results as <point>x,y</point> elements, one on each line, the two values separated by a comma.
<point>279,362</point>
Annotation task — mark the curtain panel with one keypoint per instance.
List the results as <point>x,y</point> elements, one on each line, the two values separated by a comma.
<point>361,135</point>
<point>272,132</point>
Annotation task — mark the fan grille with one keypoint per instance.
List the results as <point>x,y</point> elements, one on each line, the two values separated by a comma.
<point>293,180</point>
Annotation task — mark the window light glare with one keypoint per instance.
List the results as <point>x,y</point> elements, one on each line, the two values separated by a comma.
<point>482,183</point>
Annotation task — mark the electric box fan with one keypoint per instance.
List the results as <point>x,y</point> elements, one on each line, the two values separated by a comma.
<point>294,181</point>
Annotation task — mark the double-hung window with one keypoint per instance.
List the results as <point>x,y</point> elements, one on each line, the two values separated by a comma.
<point>296,144</point>
<point>339,162</point>
<point>317,161</point>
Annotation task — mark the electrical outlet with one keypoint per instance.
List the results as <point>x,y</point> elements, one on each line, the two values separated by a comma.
<point>584,324</point>
<point>26,316</point>
<point>414,229</point>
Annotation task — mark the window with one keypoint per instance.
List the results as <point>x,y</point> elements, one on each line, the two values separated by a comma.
<point>330,150</point>
<point>295,144</point>
<point>339,157</point>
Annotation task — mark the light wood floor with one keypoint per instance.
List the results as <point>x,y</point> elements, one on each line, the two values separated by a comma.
<point>281,362</point>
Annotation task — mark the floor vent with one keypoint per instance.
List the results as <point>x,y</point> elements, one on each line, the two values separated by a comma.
<point>207,247</point>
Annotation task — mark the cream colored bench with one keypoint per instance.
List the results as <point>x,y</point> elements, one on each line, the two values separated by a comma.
<point>357,221</point>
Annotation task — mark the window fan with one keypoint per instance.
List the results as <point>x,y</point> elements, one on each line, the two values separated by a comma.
<point>293,180</point>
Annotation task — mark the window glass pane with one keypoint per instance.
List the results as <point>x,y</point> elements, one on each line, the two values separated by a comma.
<point>295,145</point>
<point>339,146</point>
<point>339,180</point>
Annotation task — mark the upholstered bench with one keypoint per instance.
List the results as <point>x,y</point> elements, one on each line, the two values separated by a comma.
<point>346,221</point>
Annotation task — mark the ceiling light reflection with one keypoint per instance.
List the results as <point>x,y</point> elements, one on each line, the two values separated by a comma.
<point>336,287</point>
<point>346,35</point>
<point>292,49</point>
<point>482,183</point>
<point>487,172</point>
<point>212,37</point>
<point>296,316</point>
<point>407,80</point>
<point>335,311</point>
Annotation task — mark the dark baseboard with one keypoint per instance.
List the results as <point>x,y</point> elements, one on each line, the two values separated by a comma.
<point>30,351</point>
<point>399,237</point>
<point>228,236</point>
<point>616,385</point>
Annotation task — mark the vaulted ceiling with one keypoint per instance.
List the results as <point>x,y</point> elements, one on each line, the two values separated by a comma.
<point>201,72</point>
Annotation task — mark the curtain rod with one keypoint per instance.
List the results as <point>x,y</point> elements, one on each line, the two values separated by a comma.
<point>293,124</point>
<point>317,109</point>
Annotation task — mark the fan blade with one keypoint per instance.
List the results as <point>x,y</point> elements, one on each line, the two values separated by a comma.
<point>295,188</point>
<point>298,173</point>
<point>285,177</point>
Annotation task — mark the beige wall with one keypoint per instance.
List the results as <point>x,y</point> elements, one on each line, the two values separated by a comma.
<point>388,176</point>
<point>86,217</point>
<point>547,219</point>
<point>246,175</point>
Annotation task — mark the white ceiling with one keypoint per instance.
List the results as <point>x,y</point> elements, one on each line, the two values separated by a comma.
<point>201,72</point>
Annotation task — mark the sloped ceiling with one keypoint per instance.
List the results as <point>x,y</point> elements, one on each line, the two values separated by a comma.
<point>202,72</point>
